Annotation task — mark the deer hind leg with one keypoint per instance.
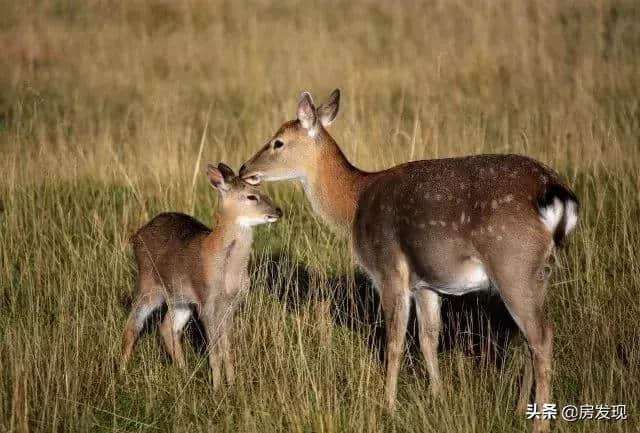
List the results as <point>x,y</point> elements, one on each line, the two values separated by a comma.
<point>522,287</point>
<point>527,384</point>
<point>395,305</point>
<point>143,306</point>
<point>539,336</point>
<point>429,325</point>
<point>171,331</point>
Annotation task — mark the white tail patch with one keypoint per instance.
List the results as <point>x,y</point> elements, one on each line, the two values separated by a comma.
<point>551,215</point>
<point>571,211</point>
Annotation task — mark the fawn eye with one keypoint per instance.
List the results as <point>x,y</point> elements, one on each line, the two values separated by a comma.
<point>252,197</point>
<point>278,144</point>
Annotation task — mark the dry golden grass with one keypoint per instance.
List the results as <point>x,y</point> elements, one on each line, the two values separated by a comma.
<point>104,107</point>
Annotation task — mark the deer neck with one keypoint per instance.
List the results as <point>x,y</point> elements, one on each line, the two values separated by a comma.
<point>229,243</point>
<point>333,186</point>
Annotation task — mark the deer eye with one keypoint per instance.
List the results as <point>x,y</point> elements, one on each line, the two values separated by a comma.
<point>252,197</point>
<point>278,144</point>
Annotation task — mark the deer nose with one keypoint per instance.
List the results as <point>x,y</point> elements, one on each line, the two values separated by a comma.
<point>278,212</point>
<point>242,169</point>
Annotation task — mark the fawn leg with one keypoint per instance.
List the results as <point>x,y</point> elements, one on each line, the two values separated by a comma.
<point>227,351</point>
<point>171,332</point>
<point>143,306</point>
<point>215,312</point>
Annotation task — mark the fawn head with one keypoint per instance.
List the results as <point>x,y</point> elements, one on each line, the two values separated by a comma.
<point>243,202</point>
<point>295,149</point>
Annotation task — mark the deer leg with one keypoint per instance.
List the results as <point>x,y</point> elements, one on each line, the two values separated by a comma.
<point>214,323</point>
<point>527,383</point>
<point>170,343</point>
<point>228,355</point>
<point>429,325</point>
<point>540,338</point>
<point>227,351</point>
<point>523,296</point>
<point>171,332</point>
<point>395,305</point>
<point>215,362</point>
<point>143,306</point>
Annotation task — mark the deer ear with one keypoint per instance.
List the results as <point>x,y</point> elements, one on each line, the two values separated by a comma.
<point>307,113</point>
<point>227,172</point>
<point>216,178</point>
<point>328,111</point>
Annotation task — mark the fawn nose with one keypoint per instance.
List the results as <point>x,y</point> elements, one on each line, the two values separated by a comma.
<point>278,212</point>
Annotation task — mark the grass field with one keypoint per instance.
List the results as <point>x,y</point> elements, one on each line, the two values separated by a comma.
<point>109,111</point>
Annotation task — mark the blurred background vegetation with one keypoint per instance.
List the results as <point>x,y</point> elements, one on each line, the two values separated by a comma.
<point>108,111</point>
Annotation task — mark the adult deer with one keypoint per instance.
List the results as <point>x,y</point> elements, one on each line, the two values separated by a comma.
<point>425,228</point>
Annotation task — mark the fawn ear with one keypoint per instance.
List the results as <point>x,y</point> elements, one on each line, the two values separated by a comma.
<point>328,111</point>
<point>307,114</point>
<point>227,172</point>
<point>216,178</point>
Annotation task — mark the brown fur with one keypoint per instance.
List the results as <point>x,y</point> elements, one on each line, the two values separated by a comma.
<point>184,264</point>
<point>426,227</point>
<point>332,184</point>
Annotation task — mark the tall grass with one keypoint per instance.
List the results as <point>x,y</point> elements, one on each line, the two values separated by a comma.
<point>103,107</point>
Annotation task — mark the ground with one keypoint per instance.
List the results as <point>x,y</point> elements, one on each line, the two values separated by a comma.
<point>109,112</point>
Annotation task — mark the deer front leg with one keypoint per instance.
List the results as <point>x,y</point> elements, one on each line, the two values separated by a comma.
<point>395,305</point>
<point>213,320</point>
<point>227,337</point>
<point>227,353</point>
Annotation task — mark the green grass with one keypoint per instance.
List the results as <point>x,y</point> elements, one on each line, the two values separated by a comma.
<point>103,107</point>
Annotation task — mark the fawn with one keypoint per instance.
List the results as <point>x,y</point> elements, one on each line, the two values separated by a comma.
<point>184,264</point>
<point>436,227</point>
